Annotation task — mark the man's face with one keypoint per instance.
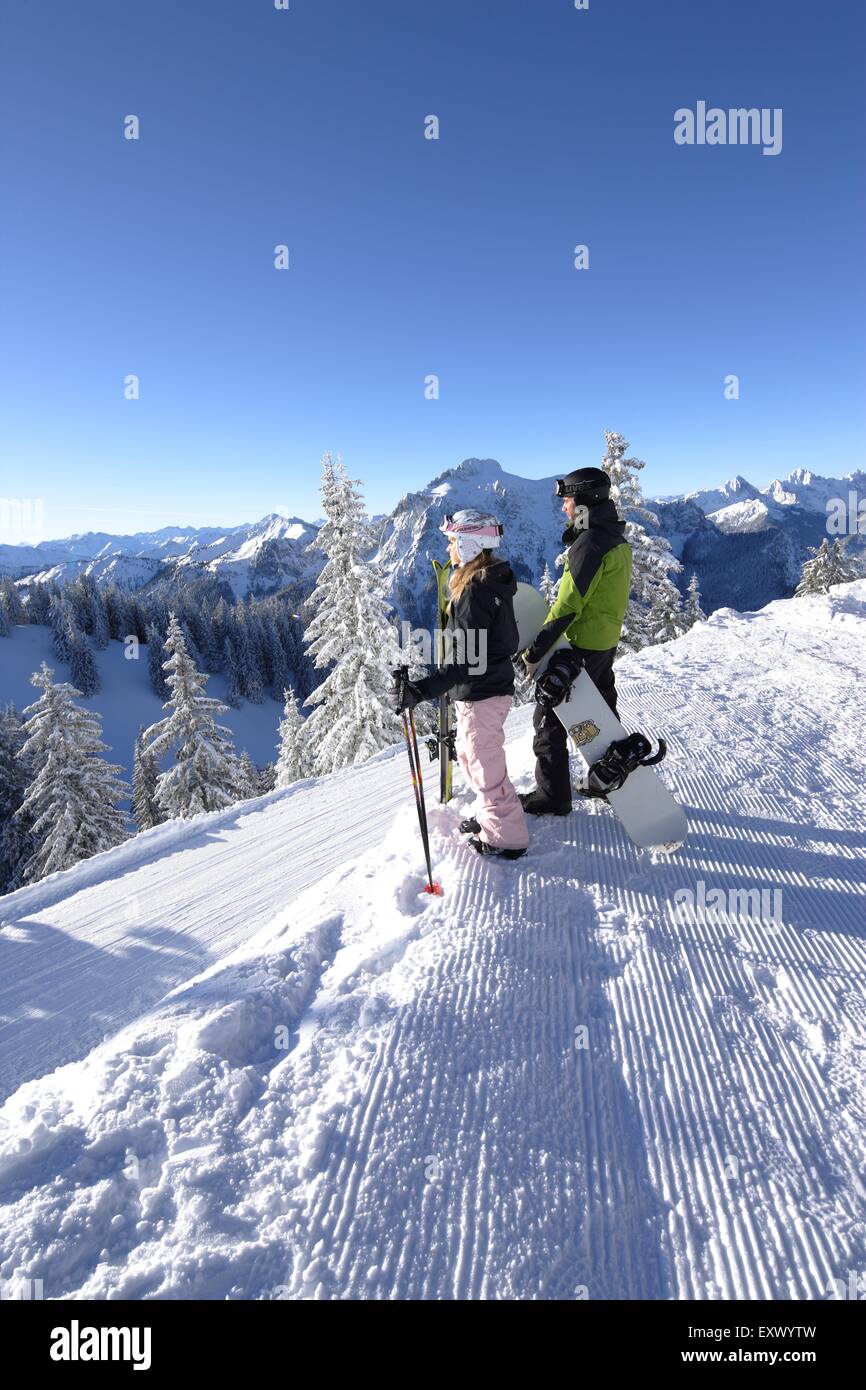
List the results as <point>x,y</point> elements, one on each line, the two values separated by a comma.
<point>569,507</point>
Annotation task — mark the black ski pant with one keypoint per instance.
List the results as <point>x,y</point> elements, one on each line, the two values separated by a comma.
<point>550,744</point>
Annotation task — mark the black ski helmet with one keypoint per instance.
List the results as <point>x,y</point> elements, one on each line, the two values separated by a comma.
<point>585,485</point>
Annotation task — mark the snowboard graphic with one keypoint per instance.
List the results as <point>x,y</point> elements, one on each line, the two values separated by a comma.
<point>643,804</point>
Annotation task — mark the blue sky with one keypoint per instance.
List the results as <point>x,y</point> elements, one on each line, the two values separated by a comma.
<point>411,257</point>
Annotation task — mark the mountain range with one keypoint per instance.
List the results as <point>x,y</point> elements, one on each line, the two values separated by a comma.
<point>746,544</point>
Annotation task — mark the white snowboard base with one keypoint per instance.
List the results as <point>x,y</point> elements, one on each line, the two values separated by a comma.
<point>644,806</point>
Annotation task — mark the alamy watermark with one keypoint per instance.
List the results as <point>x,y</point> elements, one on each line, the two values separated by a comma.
<point>722,906</point>
<point>846,516</point>
<point>22,520</point>
<point>739,125</point>
<point>446,646</point>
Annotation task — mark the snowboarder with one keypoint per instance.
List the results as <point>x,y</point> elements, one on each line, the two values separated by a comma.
<point>480,623</point>
<point>589,608</point>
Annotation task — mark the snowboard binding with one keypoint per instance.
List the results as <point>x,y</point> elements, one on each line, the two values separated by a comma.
<point>435,741</point>
<point>609,773</point>
<point>562,671</point>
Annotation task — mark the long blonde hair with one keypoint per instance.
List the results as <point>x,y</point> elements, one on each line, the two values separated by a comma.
<point>464,574</point>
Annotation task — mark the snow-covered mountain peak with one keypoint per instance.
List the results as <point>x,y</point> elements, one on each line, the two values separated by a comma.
<point>482,472</point>
<point>753,514</point>
<point>812,491</point>
<point>710,500</point>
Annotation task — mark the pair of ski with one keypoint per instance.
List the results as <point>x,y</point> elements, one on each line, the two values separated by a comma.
<point>439,745</point>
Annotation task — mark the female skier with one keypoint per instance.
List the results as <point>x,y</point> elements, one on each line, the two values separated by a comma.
<point>480,640</point>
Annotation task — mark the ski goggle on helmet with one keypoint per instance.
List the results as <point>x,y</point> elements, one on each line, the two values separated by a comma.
<point>473,531</point>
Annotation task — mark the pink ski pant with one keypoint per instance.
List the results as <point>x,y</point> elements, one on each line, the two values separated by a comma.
<point>481,754</point>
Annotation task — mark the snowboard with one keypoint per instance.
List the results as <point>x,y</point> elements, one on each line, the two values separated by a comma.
<point>645,808</point>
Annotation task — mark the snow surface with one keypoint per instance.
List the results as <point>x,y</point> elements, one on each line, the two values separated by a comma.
<point>358,1091</point>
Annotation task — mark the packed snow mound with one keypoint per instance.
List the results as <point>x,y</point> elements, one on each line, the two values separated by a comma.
<point>593,1072</point>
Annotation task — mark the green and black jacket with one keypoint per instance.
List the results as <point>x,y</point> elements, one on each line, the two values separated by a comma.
<point>593,593</point>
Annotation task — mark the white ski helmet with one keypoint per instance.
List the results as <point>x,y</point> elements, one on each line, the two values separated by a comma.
<point>473,531</point>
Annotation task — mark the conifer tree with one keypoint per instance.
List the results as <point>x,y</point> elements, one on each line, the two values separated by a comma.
<point>205,775</point>
<point>38,603</point>
<point>83,670</point>
<point>71,803</point>
<point>548,586</point>
<point>62,628</point>
<point>155,667</point>
<point>248,777</point>
<point>232,670</point>
<point>15,840</point>
<point>349,636</point>
<point>654,612</point>
<point>145,771</point>
<point>267,778</point>
<point>693,612</point>
<point>830,564</point>
<point>249,677</point>
<point>292,761</point>
<point>12,603</point>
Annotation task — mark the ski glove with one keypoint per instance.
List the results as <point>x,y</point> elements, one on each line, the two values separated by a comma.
<point>529,661</point>
<point>407,693</point>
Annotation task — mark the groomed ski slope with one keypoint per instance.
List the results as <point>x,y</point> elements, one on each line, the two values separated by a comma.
<point>383,1095</point>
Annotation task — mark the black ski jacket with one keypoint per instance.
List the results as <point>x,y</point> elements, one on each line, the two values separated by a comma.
<point>486,606</point>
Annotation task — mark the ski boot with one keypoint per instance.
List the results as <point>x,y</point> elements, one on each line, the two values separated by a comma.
<point>482,847</point>
<point>534,804</point>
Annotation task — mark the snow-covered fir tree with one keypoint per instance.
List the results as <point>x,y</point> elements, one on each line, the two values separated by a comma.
<point>62,623</point>
<point>248,661</point>
<point>249,777</point>
<point>292,760</point>
<point>71,803</point>
<point>145,771</point>
<point>38,603</point>
<point>205,775</point>
<point>830,564</point>
<point>280,668</point>
<point>350,636</point>
<point>83,670</point>
<point>15,840</point>
<point>155,667</point>
<point>12,603</point>
<point>100,634</point>
<point>693,612</point>
<point>234,693</point>
<point>5,625</point>
<point>548,586</point>
<point>267,778</point>
<point>654,612</point>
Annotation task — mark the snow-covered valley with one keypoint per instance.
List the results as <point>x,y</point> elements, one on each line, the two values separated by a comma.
<point>247,1057</point>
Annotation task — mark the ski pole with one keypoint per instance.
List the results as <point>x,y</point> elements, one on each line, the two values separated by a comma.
<point>418,786</point>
